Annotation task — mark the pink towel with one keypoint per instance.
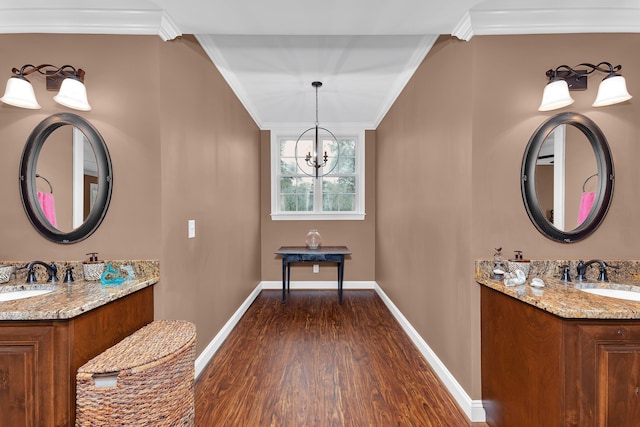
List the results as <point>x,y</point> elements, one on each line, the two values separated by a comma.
<point>586,202</point>
<point>48,207</point>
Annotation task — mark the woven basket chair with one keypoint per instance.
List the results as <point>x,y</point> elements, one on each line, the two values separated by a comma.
<point>147,379</point>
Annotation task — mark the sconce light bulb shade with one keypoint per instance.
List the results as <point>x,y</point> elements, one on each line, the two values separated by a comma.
<point>19,93</point>
<point>556,95</point>
<point>612,90</point>
<point>73,94</point>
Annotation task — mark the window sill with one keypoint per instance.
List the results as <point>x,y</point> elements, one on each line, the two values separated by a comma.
<point>318,217</point>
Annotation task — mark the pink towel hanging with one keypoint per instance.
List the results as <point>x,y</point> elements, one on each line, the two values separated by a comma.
<point>48,207</point>
<point>586,202</point>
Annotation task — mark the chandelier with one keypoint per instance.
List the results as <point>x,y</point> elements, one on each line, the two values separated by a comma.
<point>317,157</point>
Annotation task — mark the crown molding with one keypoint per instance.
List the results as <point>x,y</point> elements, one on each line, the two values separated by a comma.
<point>607,19</point>
<point>464,30</point>
<point>88,21</point>
<point>168,29</point>
<point>408,71</point>
<point>211,49</point>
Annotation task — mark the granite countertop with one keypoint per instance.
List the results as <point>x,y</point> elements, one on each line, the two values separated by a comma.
<point>564,299</point>
<point>73,299</point>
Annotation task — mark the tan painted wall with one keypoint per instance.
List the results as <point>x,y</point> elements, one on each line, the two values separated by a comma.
<point>210,173</point>
<point>182,147</point>
<point>473,106</point>
<point>423,204</point>
<point>358,236</point>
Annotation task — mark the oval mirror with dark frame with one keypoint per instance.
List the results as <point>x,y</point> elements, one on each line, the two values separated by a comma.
<point>567,166</point>
<point>99,184</point>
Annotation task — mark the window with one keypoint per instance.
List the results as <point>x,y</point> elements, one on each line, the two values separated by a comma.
<point>337,193</point>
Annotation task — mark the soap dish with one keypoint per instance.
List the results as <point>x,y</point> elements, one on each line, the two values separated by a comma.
<point>5,273</point>
<point>514,266</point>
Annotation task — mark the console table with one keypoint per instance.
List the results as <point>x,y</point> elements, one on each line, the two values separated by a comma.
<point>303,254</point>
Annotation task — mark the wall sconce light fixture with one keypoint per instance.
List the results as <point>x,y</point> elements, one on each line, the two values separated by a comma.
<point>612,89</point>
<point>68,81</point>
<point>314,159</point>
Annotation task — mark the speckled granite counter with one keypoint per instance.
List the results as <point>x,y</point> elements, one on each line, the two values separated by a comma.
<point>72,299</point>
<point>563,298</point>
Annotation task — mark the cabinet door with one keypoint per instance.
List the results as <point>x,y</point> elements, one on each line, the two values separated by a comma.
<point>618,384</point>
<point>26,378</point>
<point>609,375</point>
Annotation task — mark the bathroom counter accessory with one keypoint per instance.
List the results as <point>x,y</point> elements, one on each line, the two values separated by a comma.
<point>563,299</point>
<point>70,300</point>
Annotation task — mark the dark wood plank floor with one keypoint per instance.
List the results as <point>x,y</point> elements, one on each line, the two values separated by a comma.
<point>313,362</point>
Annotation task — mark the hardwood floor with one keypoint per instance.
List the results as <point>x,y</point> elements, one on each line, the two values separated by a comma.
<point>313,362</point>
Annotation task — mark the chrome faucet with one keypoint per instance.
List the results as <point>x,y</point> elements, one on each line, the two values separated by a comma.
<point>581,269</point>
<point>52,269</point>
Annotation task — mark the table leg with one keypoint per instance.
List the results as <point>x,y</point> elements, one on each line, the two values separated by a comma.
<point>340,277</point>
<point>288,277</point>
<point>284,278</point>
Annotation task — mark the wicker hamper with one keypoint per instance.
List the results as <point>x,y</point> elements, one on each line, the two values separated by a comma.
<point>147,379</point>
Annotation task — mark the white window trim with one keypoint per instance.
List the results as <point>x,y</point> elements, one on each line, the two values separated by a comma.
<point>359,214</point>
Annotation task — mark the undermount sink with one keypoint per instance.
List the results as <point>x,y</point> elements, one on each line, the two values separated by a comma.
<point>611,290</point>
<point>12,293</point>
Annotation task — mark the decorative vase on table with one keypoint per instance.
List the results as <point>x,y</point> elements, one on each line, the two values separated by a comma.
<point>313,239</point>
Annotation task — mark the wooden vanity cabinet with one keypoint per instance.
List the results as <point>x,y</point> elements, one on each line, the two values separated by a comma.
<point>539,369</point>
<point>39,358</point>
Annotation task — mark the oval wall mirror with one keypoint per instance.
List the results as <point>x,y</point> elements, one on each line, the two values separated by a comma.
<point>65,184</point>
<point>567,177</point>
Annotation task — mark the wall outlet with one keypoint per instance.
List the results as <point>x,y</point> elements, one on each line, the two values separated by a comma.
<point>192,228</point>
<point>316,268</point>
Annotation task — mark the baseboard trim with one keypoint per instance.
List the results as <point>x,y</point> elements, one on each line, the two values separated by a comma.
<point>205,357</point>
<point>472,408</point>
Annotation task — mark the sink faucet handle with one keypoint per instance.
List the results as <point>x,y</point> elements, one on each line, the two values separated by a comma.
<point>581,269</point>
<point>566,277</point>
<point>53,272</point>
<point>68,275</point>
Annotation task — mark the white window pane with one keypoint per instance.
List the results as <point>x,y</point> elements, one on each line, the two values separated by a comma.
<point>287,166</point>
<point>339,202</point>
<point>339,185</point>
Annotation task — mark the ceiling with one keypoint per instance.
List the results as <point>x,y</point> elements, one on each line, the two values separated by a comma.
<point>364,51</point>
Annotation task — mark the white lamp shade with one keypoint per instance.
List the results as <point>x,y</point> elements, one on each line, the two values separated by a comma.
<point>612,90</point>
<point>19,93</point>
<point>73,94</point>
<point>556,95</point>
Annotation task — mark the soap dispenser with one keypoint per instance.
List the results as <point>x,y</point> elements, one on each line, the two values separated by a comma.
<point>93,268</point>
<point>518,263</point>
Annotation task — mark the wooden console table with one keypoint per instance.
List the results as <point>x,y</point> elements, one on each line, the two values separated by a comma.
<point>303,254</point>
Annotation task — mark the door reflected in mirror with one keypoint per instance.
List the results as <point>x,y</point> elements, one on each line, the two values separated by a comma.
<point>566,177</point>
<point>67,173</point>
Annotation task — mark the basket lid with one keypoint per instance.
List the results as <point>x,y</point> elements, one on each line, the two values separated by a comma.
<point>150,343</point>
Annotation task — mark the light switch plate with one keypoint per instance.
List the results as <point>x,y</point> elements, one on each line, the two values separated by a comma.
<point>192,228</point>
<point>316,268</point>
